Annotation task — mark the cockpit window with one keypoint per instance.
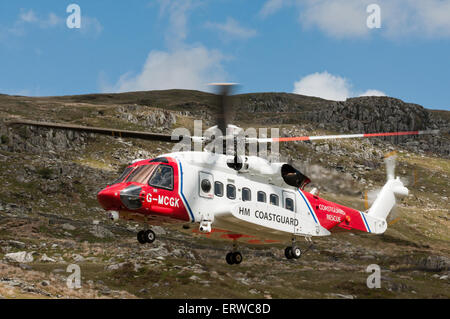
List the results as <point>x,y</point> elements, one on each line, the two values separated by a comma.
<point>123,175</point>
<point>162,177</point>
<point>141,174</point>
<point>160,160</point>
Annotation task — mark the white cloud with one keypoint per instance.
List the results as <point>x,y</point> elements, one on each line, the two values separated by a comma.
<point>373,93</point>
<point>329,87</point>
<point>347,18</point>
<point>53,20</point>
<point>232,29</point>
<point>189,68</point>
<point>271,6</point>
<point>336,18</point>
<point>182,66</point>
<point>18,29</point>
<point>177,12</point>
<point>429,18</point>
<point>90,26</point>
<point>27,16</point>
<point>324,85</point>
<point>25,20</point>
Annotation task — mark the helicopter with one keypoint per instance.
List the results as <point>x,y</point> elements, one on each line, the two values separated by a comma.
<point>229,195</point>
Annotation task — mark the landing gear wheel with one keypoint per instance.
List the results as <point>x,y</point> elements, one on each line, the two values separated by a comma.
<point>149,236</point>
<point>288,253</point>
<point>141,237</point>
<point>229,258</point>
<point>237,257</point>
<point>296,252</point>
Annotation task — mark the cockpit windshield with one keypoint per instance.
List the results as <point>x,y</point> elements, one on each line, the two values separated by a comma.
<point>123,175</point>
<point>162,177</point>
<point>141,174</point>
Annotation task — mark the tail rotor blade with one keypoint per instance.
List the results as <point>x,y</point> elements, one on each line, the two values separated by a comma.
<point>366,201</point>
<point>389,160</point>
<point>393,216</point>
<point>405,181</point>
<point>370,196</point>
<point>411,180</point>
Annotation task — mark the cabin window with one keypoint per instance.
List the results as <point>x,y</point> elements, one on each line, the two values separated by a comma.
<point>231,191</point>
<point>206,183</point>
<point>289,204</point>
<point>162,177</point>
<point>141,174</point>
<point>246,194</point>
<point>262,197</point>
<point>218,189</point>
<point>274,199</point>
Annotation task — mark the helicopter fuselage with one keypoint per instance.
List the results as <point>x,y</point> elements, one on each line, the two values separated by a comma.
<point>199,187</point>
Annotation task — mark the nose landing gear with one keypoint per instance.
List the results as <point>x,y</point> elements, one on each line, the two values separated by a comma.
<point>233,258</point>
<point>146,236</point>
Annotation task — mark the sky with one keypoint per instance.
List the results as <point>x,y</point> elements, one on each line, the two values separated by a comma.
<point>334,49</point>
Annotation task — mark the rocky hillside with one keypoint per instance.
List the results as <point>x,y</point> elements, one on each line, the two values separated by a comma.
<point>355,115</point>
<point>49,217</point>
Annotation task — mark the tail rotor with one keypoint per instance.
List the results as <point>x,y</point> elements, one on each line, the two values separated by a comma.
<point>383,201</point>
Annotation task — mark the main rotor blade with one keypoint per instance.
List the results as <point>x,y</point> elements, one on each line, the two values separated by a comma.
<point>101,130</point>
<point>225,111</point>
<point>344,136</point>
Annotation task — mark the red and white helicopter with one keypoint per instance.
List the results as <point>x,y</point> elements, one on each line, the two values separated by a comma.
<point>242,198</point>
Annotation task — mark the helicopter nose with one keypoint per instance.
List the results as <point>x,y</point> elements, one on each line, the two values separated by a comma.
<point>109,199</point>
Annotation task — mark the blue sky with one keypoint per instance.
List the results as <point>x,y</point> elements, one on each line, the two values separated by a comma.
<point>322,48</point>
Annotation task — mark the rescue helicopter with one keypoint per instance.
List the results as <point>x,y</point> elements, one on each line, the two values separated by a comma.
<point>245,199</point>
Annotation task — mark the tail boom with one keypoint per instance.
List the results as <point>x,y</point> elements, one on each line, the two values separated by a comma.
<point>385,200</point>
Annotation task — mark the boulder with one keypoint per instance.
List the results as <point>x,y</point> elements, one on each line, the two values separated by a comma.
<point>115,266</point>
<point>20,257</point>
<point>435,263</point>
<point>47,259</point>
<point>68,227</point>
<point>101,232</point>
<point>17,244</point>
<point>78,258</point>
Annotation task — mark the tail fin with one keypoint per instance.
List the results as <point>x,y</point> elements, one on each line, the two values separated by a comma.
<point>385,200</point>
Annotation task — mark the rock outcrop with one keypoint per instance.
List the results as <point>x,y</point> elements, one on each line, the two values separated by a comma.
<point>355,115</point>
